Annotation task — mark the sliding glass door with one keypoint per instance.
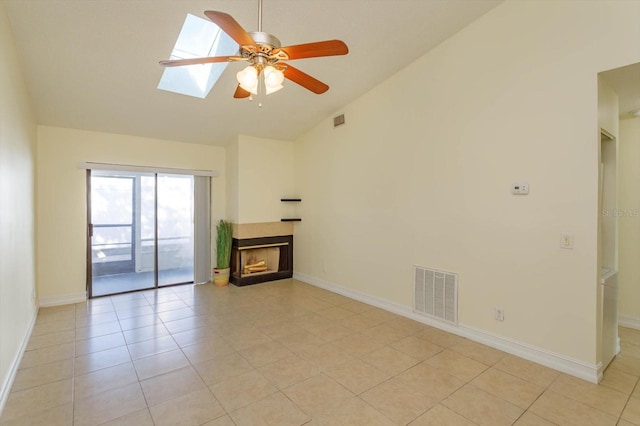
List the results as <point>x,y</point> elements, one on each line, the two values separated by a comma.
<point>112,251</point>
<point>175,229</point>
<point>141,231</point>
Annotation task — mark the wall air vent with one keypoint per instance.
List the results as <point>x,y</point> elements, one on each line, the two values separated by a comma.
<point>436,294</point>
<point>338,120</point>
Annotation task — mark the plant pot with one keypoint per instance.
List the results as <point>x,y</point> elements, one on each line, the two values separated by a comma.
<point>221,276</point>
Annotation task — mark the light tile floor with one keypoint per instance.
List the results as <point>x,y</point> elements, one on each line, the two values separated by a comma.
<point>287,353</point>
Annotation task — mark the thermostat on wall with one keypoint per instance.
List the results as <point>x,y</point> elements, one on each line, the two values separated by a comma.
<point>520,188</point>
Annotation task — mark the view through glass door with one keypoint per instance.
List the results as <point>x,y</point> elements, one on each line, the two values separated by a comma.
<point>175,229</point>
<point>141,231</point>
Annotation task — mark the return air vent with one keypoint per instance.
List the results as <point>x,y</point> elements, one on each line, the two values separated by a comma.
<point>338,120</point>
<point>436,294</point>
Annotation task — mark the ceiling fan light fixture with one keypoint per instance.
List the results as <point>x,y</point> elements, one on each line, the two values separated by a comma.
<point>273,79</point>
<point>270,90</point>
<point>248,79</point>
<point>264,53</point>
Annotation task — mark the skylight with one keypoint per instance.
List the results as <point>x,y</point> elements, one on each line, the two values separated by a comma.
<point>198,38</point>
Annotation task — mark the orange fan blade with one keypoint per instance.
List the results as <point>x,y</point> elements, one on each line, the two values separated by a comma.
<point>305,80</point>
<point>314,50</point>
<point>194,61</point>
<point>241,93</point>
<point>230,26</point>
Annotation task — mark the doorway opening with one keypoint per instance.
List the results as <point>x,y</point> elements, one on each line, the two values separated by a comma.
<point>619,224</point>
<point>141,231</point>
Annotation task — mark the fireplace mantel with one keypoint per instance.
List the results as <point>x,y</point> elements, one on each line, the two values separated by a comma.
<point>242,231</point>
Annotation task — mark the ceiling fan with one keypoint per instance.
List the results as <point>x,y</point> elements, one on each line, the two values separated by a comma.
<point>265,56</point>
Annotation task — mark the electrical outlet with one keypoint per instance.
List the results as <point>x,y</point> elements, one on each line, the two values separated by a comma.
<point>566,240</point>
<point>498,314</point>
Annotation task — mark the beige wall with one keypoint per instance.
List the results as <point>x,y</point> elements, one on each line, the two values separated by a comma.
<point>420,173</point>
<point>261,173</point>
<point>62,193</point>
<point>17,208</point>
<point>629,221</point>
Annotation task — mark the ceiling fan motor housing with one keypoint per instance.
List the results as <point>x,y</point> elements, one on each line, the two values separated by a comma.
<point>266,49</point>
<point>268,40</point>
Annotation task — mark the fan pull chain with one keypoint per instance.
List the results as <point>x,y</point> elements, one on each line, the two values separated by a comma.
<point>259,89</point>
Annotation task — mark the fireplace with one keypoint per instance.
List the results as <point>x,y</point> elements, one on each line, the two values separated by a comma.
<point>261,259</point>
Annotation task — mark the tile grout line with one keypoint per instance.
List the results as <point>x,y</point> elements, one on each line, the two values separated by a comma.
<point>627,401</point>
<point>197,372</point>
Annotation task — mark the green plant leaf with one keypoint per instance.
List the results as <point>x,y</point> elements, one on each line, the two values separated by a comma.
<point>223,244</point>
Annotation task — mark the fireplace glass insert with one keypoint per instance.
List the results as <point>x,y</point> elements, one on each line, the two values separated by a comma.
<point>258,260</point>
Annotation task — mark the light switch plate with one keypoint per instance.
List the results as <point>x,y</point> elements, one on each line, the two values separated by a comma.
<point>520,188</point>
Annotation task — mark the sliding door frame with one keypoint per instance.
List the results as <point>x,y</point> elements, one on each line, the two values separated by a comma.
<point>89,258</point>
<point>197,259</point>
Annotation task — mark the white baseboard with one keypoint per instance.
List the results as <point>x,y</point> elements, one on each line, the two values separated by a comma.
<point>565,364</point>
<point>65,299</point>
<point>5,390</point>
<point>629,321</point>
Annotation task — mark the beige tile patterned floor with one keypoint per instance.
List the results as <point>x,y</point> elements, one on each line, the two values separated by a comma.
<point>287,353</point>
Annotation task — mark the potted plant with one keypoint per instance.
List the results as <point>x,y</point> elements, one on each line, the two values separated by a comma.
<point>223,253</point>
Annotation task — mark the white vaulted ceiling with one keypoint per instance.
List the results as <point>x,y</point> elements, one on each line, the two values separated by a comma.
<point>93,64</point>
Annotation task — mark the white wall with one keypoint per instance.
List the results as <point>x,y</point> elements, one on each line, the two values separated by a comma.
<point>233,180</point>
<point>17,207</point>
<point>62,209</point>
<point>629,222</point>
<point>608,109</point>
<point>263,175</point>
<point>608,112</point>
<point>420,174</point>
